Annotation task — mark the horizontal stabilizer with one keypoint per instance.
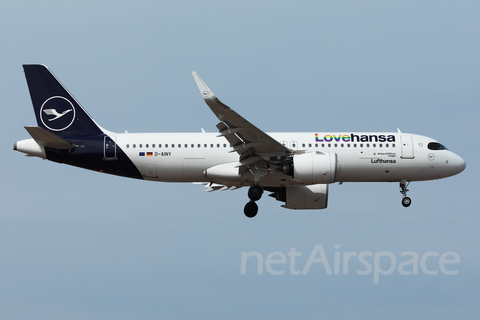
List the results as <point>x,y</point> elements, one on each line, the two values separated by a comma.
<point>47,139</point>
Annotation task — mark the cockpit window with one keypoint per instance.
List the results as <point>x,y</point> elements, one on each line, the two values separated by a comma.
<point>436,146</point>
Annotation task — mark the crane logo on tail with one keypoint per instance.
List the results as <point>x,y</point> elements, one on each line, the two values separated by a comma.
<point>57,113</point>
<point>53,112</point>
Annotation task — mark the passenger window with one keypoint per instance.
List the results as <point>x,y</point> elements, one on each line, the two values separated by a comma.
<point>146,146</point>
<point>193,146</point>
<point>224,145</point>
<point>134,145</point>
<point>173,145</point>
<point>211,145</point>
<point>303,145</point>
<point>140,145</point>
<point>128,146</point>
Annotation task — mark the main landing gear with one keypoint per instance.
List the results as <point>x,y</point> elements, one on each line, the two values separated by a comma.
<point>406,201</point>
<point>254,193</point>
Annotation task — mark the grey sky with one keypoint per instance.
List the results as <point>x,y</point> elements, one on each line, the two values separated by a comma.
<point>78,244</point>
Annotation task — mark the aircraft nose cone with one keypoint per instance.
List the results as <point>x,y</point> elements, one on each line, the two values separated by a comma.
<point>462,165</point>
<point>459,164</point>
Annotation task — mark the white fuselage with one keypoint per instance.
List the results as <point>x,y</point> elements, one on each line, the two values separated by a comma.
<point>361,157</point>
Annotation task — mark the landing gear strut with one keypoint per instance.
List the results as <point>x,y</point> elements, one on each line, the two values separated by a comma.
<point>254,193</point>
<point>406,201</point>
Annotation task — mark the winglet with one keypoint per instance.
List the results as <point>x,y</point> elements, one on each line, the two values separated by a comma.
<point>204,89</point>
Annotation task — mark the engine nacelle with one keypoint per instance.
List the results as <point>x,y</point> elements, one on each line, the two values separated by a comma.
<point>306,197</point>
<point>314,168</point>
<point>223,171</point>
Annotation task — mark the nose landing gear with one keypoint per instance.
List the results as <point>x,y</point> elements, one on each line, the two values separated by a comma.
<point>254,193</point>
<point>406,201</point>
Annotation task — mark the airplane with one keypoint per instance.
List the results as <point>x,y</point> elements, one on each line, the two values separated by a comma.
<point>296,168</point>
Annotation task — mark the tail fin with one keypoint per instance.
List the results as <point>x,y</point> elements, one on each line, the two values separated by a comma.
<point>56,109</point>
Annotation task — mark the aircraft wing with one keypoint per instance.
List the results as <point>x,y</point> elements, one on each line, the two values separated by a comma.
<point>242,135</point>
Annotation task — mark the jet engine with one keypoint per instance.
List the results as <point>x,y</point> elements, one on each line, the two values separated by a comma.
<point>313,167</point>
